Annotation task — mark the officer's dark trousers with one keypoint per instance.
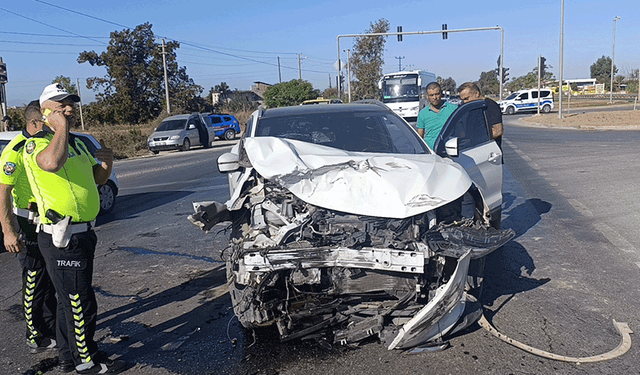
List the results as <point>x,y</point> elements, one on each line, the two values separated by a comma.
<point>38,293</point>
<point>71,270</point>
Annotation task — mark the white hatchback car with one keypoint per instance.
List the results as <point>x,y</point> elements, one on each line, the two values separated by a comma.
<point>343,220</point>
<point>108,191</point>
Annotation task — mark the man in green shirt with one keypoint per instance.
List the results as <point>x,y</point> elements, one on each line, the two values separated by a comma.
<point>38,294</point>
<point>433,117</point>
<point>63,177</point>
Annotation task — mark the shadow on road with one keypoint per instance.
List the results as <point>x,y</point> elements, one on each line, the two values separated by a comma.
<point>507,269</point>
<point>130,206</point>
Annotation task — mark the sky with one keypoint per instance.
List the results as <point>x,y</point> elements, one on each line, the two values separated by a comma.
<point>239,42</point>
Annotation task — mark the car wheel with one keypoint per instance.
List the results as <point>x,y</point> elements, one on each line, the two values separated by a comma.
<point>510,110</point>
<point>186,145</point>
<point>546,108</point>
<point>107,194</point>
<point>229,134</point>
<point>155,152</point>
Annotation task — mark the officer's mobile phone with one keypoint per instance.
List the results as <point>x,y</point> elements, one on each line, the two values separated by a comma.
<point>46,113</point>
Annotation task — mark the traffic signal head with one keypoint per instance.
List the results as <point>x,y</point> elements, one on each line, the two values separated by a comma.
<point>444,27</point>
<point>399,35</point>
<point>3,72</point>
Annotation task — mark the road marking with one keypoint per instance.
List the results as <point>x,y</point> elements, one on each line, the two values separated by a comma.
<point>615,238</point>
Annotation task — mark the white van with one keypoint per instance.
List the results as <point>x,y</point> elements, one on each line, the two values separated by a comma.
<point>527,100</point>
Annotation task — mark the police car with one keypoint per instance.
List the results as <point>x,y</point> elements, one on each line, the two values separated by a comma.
<point>108,191</point>
<point>527,100</point>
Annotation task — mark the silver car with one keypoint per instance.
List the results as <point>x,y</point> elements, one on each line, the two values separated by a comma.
<point>345,225</point>
<point>180,132</point>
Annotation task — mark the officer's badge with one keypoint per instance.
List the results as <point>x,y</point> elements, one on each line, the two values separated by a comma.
<point>9,168</point>
<point>30,147</point>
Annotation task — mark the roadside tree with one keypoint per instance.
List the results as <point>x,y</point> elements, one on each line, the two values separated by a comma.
<point>66,83</point>
<point>489,83</point>
<point>367,59</point>
<point>601,71</point>
<point>293,92</point>
<point>132,91</point>
<point>447,84</point>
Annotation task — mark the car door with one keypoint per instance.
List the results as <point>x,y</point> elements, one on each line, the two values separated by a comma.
<point>478,152</point>
<point>192,132</point>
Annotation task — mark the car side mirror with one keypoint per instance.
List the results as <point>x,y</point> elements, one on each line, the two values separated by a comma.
<point>228,162</point>
<point>451,147</point>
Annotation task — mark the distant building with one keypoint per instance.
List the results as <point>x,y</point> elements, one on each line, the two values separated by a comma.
<point>254,95</point>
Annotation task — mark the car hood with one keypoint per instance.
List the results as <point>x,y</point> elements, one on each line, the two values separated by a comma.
<point>381,185</point>
<point>166,133</point>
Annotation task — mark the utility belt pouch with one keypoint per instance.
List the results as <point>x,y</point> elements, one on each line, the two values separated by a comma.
<point>61,232</point>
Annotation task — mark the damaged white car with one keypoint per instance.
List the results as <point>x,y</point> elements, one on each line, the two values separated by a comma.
<point>346,226</point>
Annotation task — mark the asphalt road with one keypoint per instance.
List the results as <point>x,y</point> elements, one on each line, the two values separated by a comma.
<point>572,268</point>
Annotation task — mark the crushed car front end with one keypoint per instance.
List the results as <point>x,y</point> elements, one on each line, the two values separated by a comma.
<point>344,246</point>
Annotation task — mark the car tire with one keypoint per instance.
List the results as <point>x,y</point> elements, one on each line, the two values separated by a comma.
<point>510,110</point>
<point>155,152</point>
<point>186,145</point>
<point>107,194</point>
<point>229,134</point>
<point>546,108</point>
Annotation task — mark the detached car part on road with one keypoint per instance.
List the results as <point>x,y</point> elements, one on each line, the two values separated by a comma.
<point>345,225</point>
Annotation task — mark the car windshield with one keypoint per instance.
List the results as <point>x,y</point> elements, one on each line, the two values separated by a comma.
<point>168,125</point>
<point>350,131</point>
<point>90,146</point>
<point>512,96</point>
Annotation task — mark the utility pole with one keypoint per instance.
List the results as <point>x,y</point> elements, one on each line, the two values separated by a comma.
<point>539,73</point>
<point>399,62</point>
<point>613,57</point>
<point>300,58</point>
<point>348,51</point>
<point>3,94</point>
<point>561,53</point>
<point>80,104</point>
<point>166,80</point>
<point>279,72</point>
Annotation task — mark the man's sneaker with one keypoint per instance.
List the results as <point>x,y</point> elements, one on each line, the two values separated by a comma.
<point>44,345</point>
<point>66,366</point>
<point>107,366</point>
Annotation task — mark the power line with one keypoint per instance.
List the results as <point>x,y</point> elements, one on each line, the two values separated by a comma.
<point>50,35</point>
<point>53,27</point>
<point>49,44</point>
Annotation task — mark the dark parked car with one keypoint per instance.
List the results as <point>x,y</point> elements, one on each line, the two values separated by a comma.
<point>345,225</point>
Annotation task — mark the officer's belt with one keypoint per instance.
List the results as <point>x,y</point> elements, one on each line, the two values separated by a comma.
<point>75,227</point>
<point>32,216</point>
<point>22,212</point>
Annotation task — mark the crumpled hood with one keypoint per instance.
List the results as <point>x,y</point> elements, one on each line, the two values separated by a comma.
<point>380,185</point>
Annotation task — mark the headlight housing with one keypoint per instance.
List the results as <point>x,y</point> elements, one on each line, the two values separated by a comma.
<point>174,137</point>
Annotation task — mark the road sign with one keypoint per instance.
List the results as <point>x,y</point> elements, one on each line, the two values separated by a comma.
<point>338,65</point>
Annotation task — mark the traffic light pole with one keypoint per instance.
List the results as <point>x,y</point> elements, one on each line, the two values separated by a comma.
<point>443,32</point>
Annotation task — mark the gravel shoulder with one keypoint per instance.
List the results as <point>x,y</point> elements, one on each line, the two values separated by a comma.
<point>593,119</point>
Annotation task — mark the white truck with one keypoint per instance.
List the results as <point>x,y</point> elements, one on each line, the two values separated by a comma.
<point>405,92</point>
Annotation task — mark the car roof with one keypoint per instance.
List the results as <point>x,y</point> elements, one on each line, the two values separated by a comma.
<point>307,109</point>
<point>178,117</point>
<point>7,136</point>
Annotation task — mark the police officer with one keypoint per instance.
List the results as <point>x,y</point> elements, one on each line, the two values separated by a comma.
<point>63,176</point>
<point>38,294</point>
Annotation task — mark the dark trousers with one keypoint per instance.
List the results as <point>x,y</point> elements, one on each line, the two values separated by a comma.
<point>71,270</point>
<point>38,294</point>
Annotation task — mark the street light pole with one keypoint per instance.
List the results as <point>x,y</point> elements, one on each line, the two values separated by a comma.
<point>613,57</point>
<point>348,51</point>
<point>561,55</point>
